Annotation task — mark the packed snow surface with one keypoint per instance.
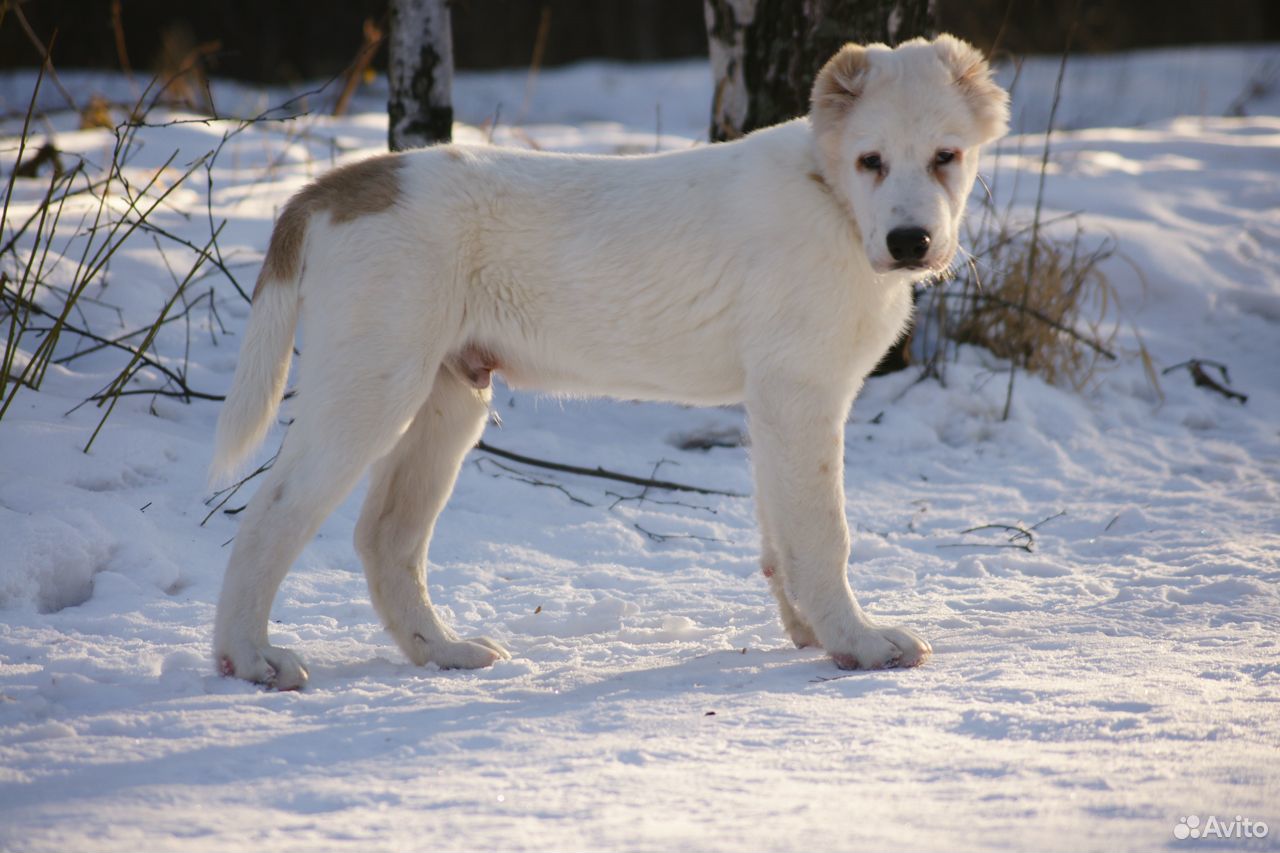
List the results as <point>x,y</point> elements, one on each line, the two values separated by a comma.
<point>1093,692</point>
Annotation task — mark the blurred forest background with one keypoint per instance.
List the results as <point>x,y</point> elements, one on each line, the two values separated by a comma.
<point>286,41</point>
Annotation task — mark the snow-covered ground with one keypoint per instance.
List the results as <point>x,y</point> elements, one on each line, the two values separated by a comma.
<point>1089,694</point>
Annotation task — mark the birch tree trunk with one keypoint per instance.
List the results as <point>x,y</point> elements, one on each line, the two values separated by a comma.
<point>765,53</point>
<point>420,74</point>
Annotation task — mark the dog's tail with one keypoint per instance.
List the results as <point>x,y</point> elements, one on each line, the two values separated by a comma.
<point>266,352</point>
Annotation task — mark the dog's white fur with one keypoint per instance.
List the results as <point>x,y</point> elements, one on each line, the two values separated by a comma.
<point>754,271</point>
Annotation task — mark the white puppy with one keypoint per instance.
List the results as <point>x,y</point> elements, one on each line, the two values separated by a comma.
<point>772,271</point>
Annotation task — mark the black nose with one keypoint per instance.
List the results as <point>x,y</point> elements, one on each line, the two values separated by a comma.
<point>908,245</point>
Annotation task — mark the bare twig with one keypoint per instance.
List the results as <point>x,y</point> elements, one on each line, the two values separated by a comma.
<point>667,537</point>
<point>1021,537</point>
<point>214,259</point>
<point>371,40</point>
<point>183,393</point>
<point>644,498</point>
<point>142,358</point>
<point>1048,518</point>
<point>535,61</point>
<point>533,481</point>
<point>1035,222</point>
<point>1202,379</point>
<point>120,339</point>
<point>117,29</point>
<point>602,473</point>
<point>46,54</point>
<point>1019,532</point>
<point>1261,84</point>
<point>117,386</point>
<point>219,498</point>
<point>1021,546</point>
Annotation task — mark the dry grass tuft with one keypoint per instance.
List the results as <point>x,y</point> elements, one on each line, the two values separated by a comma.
<point>1054,324</point>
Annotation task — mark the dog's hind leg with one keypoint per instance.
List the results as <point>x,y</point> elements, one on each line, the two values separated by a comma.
<point>772,567</point>
<point>343,423</point>
<point>408,489</point>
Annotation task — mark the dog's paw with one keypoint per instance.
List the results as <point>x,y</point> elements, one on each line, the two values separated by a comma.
<point>459,654</point>
<point>270,666</point>
<point>876,647</point>
<point>503,654</point>
<point>801,634</point>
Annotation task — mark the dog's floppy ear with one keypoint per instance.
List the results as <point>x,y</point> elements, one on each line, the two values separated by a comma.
<point>972,76</point>
<point>835,90</point>
<point>841,80</point>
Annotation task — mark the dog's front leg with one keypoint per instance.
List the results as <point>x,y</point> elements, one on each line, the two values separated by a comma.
<point>797,439</point>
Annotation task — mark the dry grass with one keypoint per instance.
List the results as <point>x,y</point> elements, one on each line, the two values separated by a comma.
<point>1054,324</point>
<point>50,297</point>
<point>1033,293</point>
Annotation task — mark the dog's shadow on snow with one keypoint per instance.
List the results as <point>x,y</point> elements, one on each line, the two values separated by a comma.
<point>377,710</point>
<point>520,687</point>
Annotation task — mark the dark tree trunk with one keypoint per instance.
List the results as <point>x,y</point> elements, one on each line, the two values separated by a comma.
<point>420,74</point>
<point>765,54</point>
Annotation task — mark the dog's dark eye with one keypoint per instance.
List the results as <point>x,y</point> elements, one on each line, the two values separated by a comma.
<point>871,162</point>
<point>943,157</point>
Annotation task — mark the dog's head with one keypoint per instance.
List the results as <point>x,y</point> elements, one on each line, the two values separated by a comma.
<point>897,133</point>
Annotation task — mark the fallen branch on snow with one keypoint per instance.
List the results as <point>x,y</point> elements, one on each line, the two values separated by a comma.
<point>603,473</point>
<point>1195,366</point>
<point>1020,537</point>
